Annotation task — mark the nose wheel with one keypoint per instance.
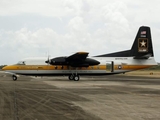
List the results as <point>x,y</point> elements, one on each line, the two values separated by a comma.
<point>14,78</point>
<point>74,77</point>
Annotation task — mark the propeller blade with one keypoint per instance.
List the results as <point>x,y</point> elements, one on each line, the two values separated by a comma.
<point>48,60</point>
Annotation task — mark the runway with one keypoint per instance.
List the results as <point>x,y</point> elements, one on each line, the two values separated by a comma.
<point>116,97</point>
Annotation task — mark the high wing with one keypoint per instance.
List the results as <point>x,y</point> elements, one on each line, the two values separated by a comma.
<point>78,59</point>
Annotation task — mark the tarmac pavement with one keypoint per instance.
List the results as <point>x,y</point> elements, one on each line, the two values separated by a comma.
<point>117,97</point>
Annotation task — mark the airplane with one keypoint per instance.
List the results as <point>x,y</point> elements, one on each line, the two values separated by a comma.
<point>140,56</point>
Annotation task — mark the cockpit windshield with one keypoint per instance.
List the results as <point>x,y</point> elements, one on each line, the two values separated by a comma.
<point>21,63</point>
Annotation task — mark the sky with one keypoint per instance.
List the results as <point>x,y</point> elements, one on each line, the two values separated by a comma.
<point>41,28</point>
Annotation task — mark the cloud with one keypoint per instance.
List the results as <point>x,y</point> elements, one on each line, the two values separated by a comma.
<point>33,28</point>
<point>24,43</point>
<point>42,7</point>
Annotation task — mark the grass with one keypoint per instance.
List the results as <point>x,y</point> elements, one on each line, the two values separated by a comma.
<point>146,73</point>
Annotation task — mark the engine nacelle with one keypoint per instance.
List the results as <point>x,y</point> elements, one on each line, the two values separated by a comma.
<point>58,61</point>
<point>91,62</point>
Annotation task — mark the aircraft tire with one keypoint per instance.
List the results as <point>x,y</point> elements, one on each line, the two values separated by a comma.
<point>71,77</point>
<point>76,78</point>
<point>14,78</point>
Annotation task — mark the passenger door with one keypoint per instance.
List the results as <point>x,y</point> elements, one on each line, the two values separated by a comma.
<point>110,66</point>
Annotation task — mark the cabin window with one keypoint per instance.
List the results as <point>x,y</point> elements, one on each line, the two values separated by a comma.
<point>55,67</point>
<point>21,63</point>
<point>61,67</point>
<point>97,67</point>
<point>68,67</point>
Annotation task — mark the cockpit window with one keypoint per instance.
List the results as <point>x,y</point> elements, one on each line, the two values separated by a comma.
<point>21,63</point>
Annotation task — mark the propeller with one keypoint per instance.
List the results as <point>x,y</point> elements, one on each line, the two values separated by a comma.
<point>48,61</point>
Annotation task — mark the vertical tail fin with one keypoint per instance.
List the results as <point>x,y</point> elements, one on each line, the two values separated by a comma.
<point>142,46</point>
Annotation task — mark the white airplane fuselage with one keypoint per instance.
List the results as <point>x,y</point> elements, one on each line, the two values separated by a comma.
<point>108,65</point>
<point>140,56</point>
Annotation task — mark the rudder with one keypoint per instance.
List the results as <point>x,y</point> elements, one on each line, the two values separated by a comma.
<point>142,47</point>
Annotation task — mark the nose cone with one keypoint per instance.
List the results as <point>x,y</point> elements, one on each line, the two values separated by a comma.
<point>9,67</point>
<point>4,68</point>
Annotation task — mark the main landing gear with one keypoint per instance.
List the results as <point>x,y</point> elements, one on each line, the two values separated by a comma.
<point>14,77</point>
<point>73,77</point>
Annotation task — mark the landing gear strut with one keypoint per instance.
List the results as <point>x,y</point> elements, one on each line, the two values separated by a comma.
<point>71,77</point>
<point>74,77</point>
<point>14,77</point>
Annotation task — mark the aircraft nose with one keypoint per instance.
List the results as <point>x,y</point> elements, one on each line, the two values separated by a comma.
<point>5,68</point>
